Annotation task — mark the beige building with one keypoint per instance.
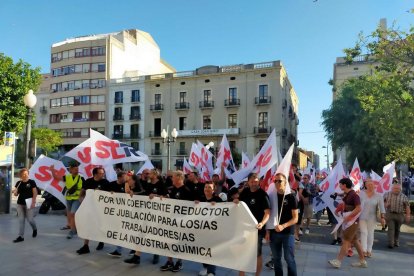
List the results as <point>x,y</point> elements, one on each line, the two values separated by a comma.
<point>80,70</point>
<point>245,102</point>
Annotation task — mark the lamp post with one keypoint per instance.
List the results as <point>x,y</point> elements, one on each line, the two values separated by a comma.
<point>327,155</point>
<point>29,101</point>
<point>168,139</point>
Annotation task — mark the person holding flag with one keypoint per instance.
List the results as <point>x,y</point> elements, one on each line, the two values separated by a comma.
<point>280,233</point>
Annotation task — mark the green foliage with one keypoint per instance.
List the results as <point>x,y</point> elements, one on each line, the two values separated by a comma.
<point>373,115</point>
<point>15,80</point>
<point>48,140</point>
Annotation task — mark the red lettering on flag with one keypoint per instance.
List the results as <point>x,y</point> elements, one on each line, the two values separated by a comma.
<point>85,155</point>
<point>104,152</point>
<point>45,175</point>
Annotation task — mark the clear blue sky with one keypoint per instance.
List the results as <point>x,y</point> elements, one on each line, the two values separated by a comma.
<point>307,36</point>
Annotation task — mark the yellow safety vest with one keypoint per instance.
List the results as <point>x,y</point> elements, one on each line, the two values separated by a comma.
<point>70,181</point>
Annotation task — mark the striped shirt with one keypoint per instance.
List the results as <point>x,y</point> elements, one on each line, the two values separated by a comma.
<point>396,203</point>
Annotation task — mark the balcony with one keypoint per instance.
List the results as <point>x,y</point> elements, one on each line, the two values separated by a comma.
<point>182,106</point>
<point>156,107</point>
<point>118,101</point>
<point>156,152</point>
<point>135,117</point>
<point>182,152</point>
<point>135,100</point>
<point>122,136</point>
<point>154,134</point>
<point>206,104</point>
<point>263,100</point>
<point>118,117</point>
<point>262,130</point>
<point>232,102</point>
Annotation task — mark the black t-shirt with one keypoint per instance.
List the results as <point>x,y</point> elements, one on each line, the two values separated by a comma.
<point>289,204</point>
<point>196,188</point>
<point>182,193</point>
<point>116,188</point>
<point>213,199</point>
<point>257,202</point>
<point>91,183</point>
<point>158,188</point>
<point>25,190</point>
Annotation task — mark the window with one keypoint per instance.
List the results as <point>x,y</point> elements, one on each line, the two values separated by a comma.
<point>263,91</point>
<point>261,143</point>
<point>263,120</point>
<point>157,98</point>
<point>97,115</point>
<point>54,118</point>
<point>157,127</point>
<point>182,97</point>
<point>118,131</point>
<point>101,67</point>
<point>232,94</point>
<point>135,96</point>
<point>118,111</point>
<point>135,145</point>
<point>182,123</point>
<point>135,112</point>
<point>207,122</point>
<point>232,121</point>
<point>98,51</point>
<point>119,97</point>
<point>207,96</point>
<point>135,131</point>
<point>232,145</point>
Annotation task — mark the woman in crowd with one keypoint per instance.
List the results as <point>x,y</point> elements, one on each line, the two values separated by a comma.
<point>25,189</point>
<point>370,201</point>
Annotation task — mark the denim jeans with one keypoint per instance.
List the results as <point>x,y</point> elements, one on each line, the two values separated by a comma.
<point>210,268</point>
<point>287,242</point>
<point>23,214</point>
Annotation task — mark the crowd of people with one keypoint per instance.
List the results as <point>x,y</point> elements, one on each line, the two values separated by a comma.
<point>282,217</point>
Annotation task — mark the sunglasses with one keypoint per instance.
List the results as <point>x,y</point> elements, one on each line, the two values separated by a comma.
<point>278,181</point>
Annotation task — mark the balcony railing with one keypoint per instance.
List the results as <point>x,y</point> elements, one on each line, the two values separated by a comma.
<point>156,152</point>
<point>135,99</point>
<point>232,102</point>
<point>183,105</point>
<point>262,130</point>
<point>262,100</point>
<point>118,117</point>
<point>206,104</point>
<point>135,116</point>
<point>154,133</point>
<point>43,109</point>
<point>156,107</point>
<point>181,152</point>
<point>133,136</point>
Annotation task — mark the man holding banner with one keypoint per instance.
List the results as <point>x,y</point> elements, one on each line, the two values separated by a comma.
<point>259,204</point>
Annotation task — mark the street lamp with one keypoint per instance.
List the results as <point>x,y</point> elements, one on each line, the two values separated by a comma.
<point>167,139</point>
<point>29,101</point>
<point>327,155</point>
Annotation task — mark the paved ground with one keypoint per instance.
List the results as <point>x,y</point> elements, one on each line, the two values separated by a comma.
<point>52,254</point>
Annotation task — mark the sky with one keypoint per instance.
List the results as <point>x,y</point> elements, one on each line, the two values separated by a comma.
<point>306,35</point>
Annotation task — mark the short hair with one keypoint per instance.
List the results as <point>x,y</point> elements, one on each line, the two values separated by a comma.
<point>280,174</point>
<point>155,171</point>
<point>121,174</point>
<point>96,169</point>
<point>73,164</point>
<point>347,182</point>
<point>252,175</point>
<point>23,170</point>
<point>179,174</point>
<point>195,173</point>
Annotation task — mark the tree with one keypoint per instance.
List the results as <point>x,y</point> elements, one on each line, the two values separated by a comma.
<point>380,106</point>
<point>16,79</point>
<point>48,140</point>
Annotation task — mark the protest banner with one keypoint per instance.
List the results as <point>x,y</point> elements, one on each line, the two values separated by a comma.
<point>223,234</point>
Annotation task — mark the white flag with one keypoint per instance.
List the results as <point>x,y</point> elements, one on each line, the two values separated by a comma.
<point>41,173</point>
<point>355,176</point>
<point>245,160</point>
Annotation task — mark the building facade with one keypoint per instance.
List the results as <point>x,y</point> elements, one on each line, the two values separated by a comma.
<point>80,70</point>
<point>245,102</point>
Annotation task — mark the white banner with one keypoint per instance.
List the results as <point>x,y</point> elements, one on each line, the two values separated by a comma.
<point>224,234</point>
